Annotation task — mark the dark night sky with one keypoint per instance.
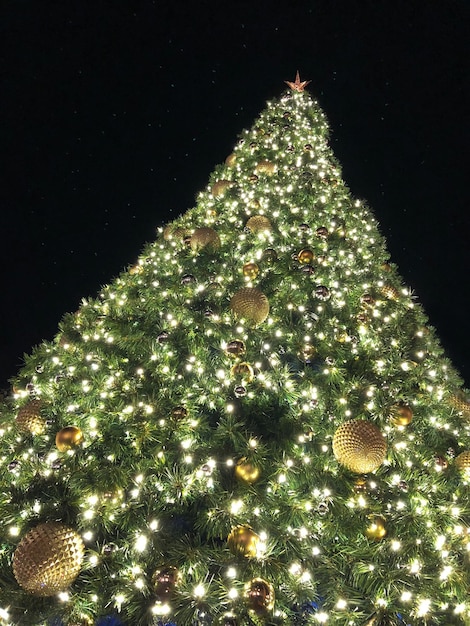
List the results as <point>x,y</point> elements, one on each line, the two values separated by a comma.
<point>113,115</point>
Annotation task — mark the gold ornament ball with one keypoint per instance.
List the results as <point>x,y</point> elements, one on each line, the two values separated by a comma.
<point>29,420</point>
<point>359,446</point>
<point>250,270</point>
<point>235,348</point>
<point>205,238</point>
<point>265,167</point>
<point>48,559</point>
<point>401,415</point>
<point>243,541</point>
<point>220,187</point>
<point>179,413</point>
<point>376,529</point>
<point>68,438</point>
<point>305,256</point>
<point>136,269</point>
<point>174,232</point>
<point>259,596</point>
<point>251,304</point>
<point>244,371</point>
<point>460,403</point>
<point>231,159</point>
<point>246,472</point>
<point>259,224</point>
<point>164,581</point>
<point>462,461</point>
<point>367,300</point>
<point>306,353</point>
<point>390,292</point>
<point>229,619</point>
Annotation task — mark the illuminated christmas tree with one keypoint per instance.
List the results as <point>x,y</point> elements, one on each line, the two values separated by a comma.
<point>253,425</point>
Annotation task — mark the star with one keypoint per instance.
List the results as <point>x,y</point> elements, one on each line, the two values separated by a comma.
<point>298,85</point>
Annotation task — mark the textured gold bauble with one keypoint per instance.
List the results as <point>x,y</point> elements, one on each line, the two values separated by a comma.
<point>251,304</point>
<point>68,438</point>
<point>259,596</point>
<point>247,472</point>
<point>235,348</point>
<point>244,371</point>
<point>136,269</point>
<point>29,420</point>
<point>367,300</point>
<point>359,446</point>
<point>164,581</point>
<point>250,270</point>
<point>265,167</point>
<point>243,541</point>
<point>305,256</point>
<point>205,238</point>
<point>220,187</point>
<point>401,415</point>
<point>259,224</point>
<point>231,159</point>
<point>462,461</point>
<point>376,529</point>
<point>174,232</point>
<point>390,292</point>
<point>48,559</point>
<point>460,403</point>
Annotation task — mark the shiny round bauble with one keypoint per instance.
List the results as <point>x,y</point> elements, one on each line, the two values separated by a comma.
<point>321,292</point>
<point>401,415</point>
<point>269,256</point>
<point>205,238</point>
<point>259,596</point>
<point>305,256</point>
<point>187,279</point>
<point>68,438</point>
<point>164,581</point>
<point>235,348</point>
<point>136,269</point>
<point>308,147</point>
<point>239,391</point>
<point>219,188</point>
<point>359,446</point>
<point>179,413</point>
<point>231,159</point>
<point>440,463</point>
<point>250,270</point>
<point>386,267</point>
<point>243,541</point>
<point>253,145</point>
<point>376,529</point>
<point>259,224</point>
<point>360,485</point>
<point>322,232</point>
<point>462,462</point>
<point>29,419</point>
<point>253,179</point>
<point>265,167</point>
<point>48,559</point>
<point>390,292</point>
<point>306,353</point>
<point>246,472</point>
<point>367,300</point>
<point>244,371</point>
<point>251,304</point>
<point>163,337</point>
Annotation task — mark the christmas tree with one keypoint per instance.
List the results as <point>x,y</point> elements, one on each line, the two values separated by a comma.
<point>253,425</point>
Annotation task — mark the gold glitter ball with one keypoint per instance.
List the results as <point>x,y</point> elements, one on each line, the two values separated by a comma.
<point>265,167</point>
<point>220,187</point>
<point>251,304</point>
<point>205,238</point>
<point>359,446</point>
<point>259,224</point>
<point>48,559</point>
<point>462,461</point>
<point>29,420</point>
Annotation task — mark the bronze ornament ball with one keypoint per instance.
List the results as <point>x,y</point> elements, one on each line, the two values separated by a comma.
<point>220,187</point>
<point>235,348</point>
<point>68,438</point>
<point>247,472</point>
<point>250,270</point>
<point>401,415</point>
<point>259,596</point>
<point>359,446</point>
<point>251,304</point>
<point>179,413</point>
<point>367,300</point>
<point>164,581</point>
<point>259,224</point>
<point>305,256</point>
<point>48,559</point>
<point>205,238</point>
<point>243,541</point>
<point>29,419</point>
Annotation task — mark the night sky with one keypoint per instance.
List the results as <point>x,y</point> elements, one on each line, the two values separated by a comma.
<point>113,115</point>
